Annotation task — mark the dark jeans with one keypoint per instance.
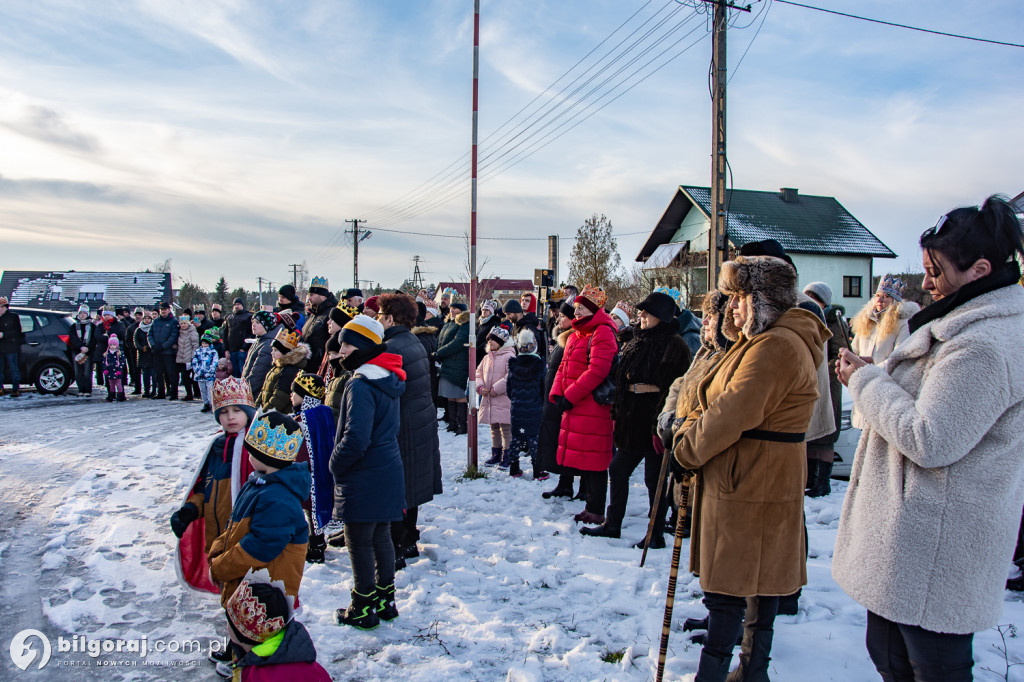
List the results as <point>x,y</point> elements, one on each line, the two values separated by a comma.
<point>83,377</point>
<point>165,373</point>
<point>147,379</point>
<point>237,362</point>
<point>133,367</point>
<point>185,378</point>
<point>372,554</point>
<point>596,485</point>
<point>10,361</point>
<point>623,464</point>
<point>909,653</point>
<point>727,616</point>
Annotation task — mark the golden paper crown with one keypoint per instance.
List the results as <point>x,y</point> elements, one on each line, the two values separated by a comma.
<point>231,391</point>
<point>556,295</point>
<point>349,310</point>
<point>288,337</point>
<point>275,442</point>
<point>595,295</point>
<point>311,384</point>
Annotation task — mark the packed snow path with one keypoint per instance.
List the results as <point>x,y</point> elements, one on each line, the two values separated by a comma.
<point>505,587</point>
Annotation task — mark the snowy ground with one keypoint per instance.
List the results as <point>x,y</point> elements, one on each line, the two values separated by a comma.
<point>505,587</point>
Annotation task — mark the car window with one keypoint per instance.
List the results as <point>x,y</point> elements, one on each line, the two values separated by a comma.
<point>43,320</point>
<point>28,323</point>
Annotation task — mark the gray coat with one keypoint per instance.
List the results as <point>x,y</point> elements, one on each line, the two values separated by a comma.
<point>417,435</point>
<point>930,518</point>
<point>258,361</point>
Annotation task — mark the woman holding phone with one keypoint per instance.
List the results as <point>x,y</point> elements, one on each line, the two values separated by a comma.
<point>930,518</point>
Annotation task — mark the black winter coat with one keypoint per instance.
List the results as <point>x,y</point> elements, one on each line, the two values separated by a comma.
<point>417,433</point>
<point>314,332</point>
<point>143,353</point>
<point>10,328</point>
<point>103,335</point>
<point>525,388</point>
<point>237,328</point>
<point>83,334</point>
<point>551,418</point>
<point>163,336</point>
<point>129,340</point>
<point>655,356</point>
<point>427,336</point>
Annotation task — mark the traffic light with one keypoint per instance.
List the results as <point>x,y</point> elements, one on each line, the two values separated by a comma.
<point>543,278</point>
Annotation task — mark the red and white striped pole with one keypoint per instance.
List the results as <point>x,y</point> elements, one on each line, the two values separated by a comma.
<point>471,438</point>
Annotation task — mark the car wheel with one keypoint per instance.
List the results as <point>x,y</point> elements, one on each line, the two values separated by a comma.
<point>53,378</point>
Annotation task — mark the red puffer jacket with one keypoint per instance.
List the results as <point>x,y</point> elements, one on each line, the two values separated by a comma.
<point>585,437</point>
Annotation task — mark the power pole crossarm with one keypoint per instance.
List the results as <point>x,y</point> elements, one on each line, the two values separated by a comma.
<point>355,248</point>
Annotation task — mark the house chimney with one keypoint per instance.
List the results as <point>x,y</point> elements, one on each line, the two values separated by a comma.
<point>788,194</point>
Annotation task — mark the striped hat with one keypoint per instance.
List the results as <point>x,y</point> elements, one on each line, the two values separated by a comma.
<point>363,332</point>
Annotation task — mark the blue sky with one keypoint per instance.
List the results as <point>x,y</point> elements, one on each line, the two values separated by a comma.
<point>237,137</point>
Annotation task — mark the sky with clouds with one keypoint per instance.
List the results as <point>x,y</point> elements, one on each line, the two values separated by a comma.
<point>236,137</point>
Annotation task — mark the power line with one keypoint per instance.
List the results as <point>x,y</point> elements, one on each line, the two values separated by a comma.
<point>501,239</point>
<point>892,23</point>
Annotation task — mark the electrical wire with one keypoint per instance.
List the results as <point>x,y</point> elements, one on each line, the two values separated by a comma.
<point>896,25</point>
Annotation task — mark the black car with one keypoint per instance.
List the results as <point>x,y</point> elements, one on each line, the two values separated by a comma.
<point>46,360</point>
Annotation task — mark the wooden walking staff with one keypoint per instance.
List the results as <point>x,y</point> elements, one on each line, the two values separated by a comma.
<point>670,596</point>
<point>655,512</point>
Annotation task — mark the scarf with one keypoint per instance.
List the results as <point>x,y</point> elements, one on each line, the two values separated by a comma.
<point>1007,274</point>
<point>361,356</point>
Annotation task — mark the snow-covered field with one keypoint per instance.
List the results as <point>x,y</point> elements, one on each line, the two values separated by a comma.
<point>505,587</point>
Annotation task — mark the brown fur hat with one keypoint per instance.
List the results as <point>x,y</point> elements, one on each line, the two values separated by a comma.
<point>769,283</point>
<point>716,304</point>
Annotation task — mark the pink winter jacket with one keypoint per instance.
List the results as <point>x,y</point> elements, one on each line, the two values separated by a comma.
<point>491,373</point>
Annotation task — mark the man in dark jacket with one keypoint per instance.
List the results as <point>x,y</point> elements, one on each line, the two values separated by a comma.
<point>315,332</point>
<point>132,352</point>
<point>163,340</point>
<point>236,330</point>
<point>417,435</point>
<point>10,347</point>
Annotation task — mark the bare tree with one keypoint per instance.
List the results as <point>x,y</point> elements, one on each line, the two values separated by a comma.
<point>595,257</point>
<point>485,283</point>
<point>632,287</point>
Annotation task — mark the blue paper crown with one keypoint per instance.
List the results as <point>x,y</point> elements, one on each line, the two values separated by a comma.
<point>273,442</point>
<point>674,294</point>
<point>319,282</point>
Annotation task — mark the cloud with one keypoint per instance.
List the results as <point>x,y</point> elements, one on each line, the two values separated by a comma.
<point>49,126</point>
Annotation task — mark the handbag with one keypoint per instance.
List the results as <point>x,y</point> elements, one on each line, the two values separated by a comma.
<point>604,394</point>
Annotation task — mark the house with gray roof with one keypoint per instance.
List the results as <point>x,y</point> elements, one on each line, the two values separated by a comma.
<point>66,290</point>
<point>825,241</point>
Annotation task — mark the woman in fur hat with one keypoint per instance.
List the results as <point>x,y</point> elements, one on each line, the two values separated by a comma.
<point>745,439</point>
<point>881,325</point>
<point>930,518</point>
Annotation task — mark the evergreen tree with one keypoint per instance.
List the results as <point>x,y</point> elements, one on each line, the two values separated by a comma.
<point>220,293</point>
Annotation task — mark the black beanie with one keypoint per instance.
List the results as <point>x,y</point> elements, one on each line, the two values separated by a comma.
<point>512,306</point>
<point>660,305</point>
<point>287,291</point>
<point>567,309</point>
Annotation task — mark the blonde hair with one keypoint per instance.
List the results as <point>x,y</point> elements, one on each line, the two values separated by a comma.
<point>863,325</point>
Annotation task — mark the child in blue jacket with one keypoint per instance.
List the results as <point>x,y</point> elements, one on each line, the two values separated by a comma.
<point>204,367</point>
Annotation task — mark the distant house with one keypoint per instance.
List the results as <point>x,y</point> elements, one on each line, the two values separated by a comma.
<point>825,241</point>
<point>495,287</point>
<point>67,290</point>
<point>1018,205</point>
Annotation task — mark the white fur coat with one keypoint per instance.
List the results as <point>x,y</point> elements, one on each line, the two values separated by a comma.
<point>930,518</point>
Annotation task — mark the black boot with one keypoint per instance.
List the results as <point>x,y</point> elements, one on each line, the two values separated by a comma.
<point>812,474</point>
<point>695,624</point>
<point>461,419</point>
<point>450,413</point>
<point>605,530</point>
<point>121,397</point>
<point>712,668</point>
<point>513,468</point>
<point>110,396</point>
<point>790,604</point>
<point>657,541</point>
<point>755,654</point>
<point>822,484</point>
<point>563,489</point>
<point>361,613</point>
<point>385,596</point>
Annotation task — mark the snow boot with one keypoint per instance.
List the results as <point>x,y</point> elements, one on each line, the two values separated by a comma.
<point>461,418</point>
<point>121,397</point>
<point>221,656</point>
<point>336,538</point>
<point>495,457</point>
<point>361,613</point>
<point>695,624</point>
<point>754,657</point>
<point>605,530</point>
<point>206,408</point>
<point>812,474</point>
<point>411,551</point>
<point>110,396</point>
<point>790,604</point>
<point>315,554</point>
<point>822,484</point>
<point>385,597</point>
<point>513,467</point>
<point>712,667</point>
<point>506,459</point>
<point>1016,584</point>
<point>657,541</point>
<point>449,416</point>
<point>563,489</point>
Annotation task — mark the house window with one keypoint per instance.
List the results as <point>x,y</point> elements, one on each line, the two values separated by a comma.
<point>851,287</point>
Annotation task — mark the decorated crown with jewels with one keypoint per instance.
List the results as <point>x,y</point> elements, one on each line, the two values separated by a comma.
<point>310,385</point>
<point>288,337</point>
<point>594,294</point>
<point>275,442</point>
<point>318,283</point>
<point>672,293</point>
<point>249,614</point>
<point>231,391</point>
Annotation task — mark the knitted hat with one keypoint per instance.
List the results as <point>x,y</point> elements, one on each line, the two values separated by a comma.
<point>372,304</point>
<point>432,308</point>
<point>187,312</point>
<point>286,340</point>
<point>232,391</point>
<point>893,286</point>
<point>259,608</point>
<point>267,319</point>
<point>211,337</point>
<point>512,306</point>
<point>318,285</point>
<point>567,309</point>
<point>488,306</point>
<point>660,305</point>
<point>363,332</point>
<point>113,342</point>
<point>622,315</point>
<point>164,305</point>
<point>334,344</point>
<point>499,334</point>
<point>526,341</point>
<point>108,311</point>
<point>822,291</point>
<point>349,293</point>
<point>592,298</point>
<point>287,318</point>
<point>307,384</point>
<point>137,311</point>
<point>83,309</point>
<point>287,292</point>
<point>274,439</point>
<point>459,306</point>
<point>342,314</point>
<point>238,301</point>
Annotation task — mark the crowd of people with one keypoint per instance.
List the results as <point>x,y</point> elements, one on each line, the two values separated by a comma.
<point>329,409</point>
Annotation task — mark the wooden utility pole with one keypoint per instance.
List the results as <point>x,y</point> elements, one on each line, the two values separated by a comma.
<point>718,241</point>
<point>295,275</point>
<point>355,249</point>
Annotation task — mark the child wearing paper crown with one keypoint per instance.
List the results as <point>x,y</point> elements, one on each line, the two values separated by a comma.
<point>115,369</point>
<point>215,485</point>
<point>269,643</point>
<point>204,367</point>
<point>317,425</point>
<point>367,468</point>
<point>267,527</point>
<point>290,356</point>
<point>495,406</point>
